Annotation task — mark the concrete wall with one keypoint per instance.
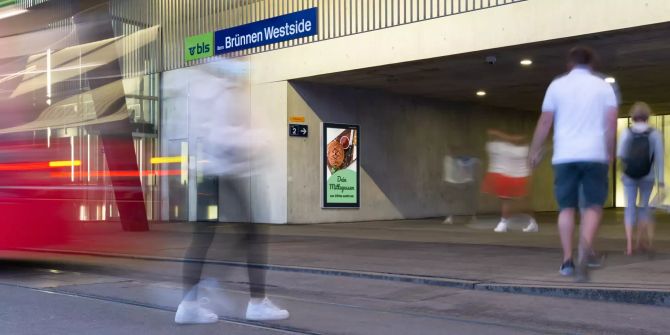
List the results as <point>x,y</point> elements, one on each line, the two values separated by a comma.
<point>269,111</point>
<point>403,142</point>
<point>524,22</point>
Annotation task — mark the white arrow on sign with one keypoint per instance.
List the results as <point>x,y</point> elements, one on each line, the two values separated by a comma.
<point>303,131</point>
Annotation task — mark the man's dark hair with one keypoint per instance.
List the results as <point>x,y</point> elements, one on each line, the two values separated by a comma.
<point>582,55</point>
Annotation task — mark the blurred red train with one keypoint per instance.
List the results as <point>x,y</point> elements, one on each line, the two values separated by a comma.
<point>45,193</point>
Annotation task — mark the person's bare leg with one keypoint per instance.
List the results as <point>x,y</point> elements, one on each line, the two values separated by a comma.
<point>589,229</point>
<point>519,206</point>
<point>650,234</point>
<point>640,236</point>
<point>590,224</point>
<point>505,212</point>
<point>527,201</point>
<point>629,218</point>
<point>582,219</point>
<point>646,216</point>
<point>525,207</point>
<point>629,239</point>
<point>566,228</point>
<point>645,235</point>
<point>506,208</point>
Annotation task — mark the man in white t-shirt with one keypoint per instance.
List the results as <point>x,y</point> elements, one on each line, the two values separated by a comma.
<point>582,107</point>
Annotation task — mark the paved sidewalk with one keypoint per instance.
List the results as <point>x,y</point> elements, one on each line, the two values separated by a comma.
<point>466,254</point>
<point>83,294</point>
<point>44,311</point>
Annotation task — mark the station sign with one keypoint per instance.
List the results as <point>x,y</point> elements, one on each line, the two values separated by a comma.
<point>277,29</point>
<point>273,30</point>
<point>298,130</point>
<point>340,165</point>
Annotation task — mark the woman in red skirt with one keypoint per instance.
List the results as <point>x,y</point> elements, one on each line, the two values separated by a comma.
<point>508,175</point>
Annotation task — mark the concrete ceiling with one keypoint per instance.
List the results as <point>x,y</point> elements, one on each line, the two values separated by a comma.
<point>638,58</point>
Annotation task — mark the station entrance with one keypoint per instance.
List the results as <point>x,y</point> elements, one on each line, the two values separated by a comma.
<point>414,114</point>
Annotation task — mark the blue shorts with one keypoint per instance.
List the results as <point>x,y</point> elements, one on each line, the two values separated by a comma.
<point>588,178</point>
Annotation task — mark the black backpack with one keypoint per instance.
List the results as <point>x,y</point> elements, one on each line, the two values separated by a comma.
<point>639,158</point>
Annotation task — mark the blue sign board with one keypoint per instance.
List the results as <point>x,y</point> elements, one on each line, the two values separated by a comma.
<point>272,30</point>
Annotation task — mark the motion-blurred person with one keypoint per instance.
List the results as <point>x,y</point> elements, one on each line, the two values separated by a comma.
<point>583,108</point>
<point>460,176</point>
<point>641,152</point>
<point>508,175</point>
<point>232,148</point>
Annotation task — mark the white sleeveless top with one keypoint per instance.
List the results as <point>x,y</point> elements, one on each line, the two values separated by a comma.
<point>508,159</point>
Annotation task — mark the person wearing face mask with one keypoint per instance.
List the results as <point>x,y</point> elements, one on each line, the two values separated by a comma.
<point>641,152</point>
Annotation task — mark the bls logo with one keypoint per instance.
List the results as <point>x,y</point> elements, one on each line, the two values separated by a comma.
<point>200,48</point>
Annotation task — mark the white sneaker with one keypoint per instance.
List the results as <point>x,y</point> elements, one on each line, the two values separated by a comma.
<point>501,227</point>
<point>213,297</point>
<point>532,227</point>
<point>449,220</point>
<point>190,312</point>
<point>265,311</point>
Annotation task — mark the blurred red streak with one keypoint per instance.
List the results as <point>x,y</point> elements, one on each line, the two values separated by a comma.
<point>24,166</point>
<point>116,174</point>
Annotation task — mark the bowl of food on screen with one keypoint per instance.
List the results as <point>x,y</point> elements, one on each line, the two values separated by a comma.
<point>344,140</point>
<point>341,151</point>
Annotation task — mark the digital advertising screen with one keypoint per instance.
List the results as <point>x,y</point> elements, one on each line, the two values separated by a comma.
<point>340,166</point>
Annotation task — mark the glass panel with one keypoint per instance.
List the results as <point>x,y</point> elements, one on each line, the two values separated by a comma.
<point>207,187</point>
<point>619,200</point>
<point>143,108</point>
<point>666,127</point>
<point>177,183</point>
